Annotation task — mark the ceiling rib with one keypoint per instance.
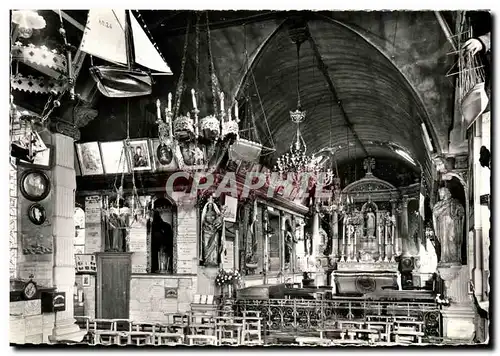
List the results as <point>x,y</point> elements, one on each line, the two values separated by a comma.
<point>323,68</point>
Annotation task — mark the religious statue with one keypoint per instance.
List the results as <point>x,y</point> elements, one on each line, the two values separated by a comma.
<point>370,223</point>
<point>118,220</point>
<point>448,218</point>
<point>211,224</point>
<point>290,240</point>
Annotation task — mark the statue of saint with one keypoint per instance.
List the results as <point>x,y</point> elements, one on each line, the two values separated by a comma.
<point>290,240</point>
<point>211,225</point>
<point>370,223</point>
<point>448,218</point>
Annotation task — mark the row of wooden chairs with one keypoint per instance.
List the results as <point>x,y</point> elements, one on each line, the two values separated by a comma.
<point>188,328</point>
<point>376,330</point>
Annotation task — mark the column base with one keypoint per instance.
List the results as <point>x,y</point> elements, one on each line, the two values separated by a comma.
<point>458,322</point>
<point>67,331</point>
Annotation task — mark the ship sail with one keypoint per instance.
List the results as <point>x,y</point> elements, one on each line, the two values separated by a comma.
<point>104,35</point>
<point>145,52</point>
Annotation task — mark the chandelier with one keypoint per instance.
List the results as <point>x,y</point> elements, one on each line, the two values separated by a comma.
<point>296,161</point>
<point>197,142</point>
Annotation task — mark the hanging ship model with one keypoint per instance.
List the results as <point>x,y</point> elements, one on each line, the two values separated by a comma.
<point>117,37</point>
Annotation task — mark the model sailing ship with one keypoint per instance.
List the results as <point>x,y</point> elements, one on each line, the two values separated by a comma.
<point>117,37</point>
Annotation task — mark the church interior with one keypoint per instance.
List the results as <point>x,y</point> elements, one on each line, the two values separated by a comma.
<point>249,178</point>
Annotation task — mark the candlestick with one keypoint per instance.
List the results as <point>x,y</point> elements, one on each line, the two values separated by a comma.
<point>236,112</point>
<point>385,243</point>
<point>343,240</point>
<point>169,101</point>
<point>193,96</point>
<point>158,110</point>
<point>222,101</point>
<point>354,245</point>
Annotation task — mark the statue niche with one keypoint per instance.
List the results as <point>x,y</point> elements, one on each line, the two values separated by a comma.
<point>448,219</point>
<point>211,225</point>
<point>368,246</point>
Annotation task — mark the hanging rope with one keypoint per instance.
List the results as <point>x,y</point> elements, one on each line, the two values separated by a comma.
<point>298,75</point>
<point>211,69</point>
<point>180,84</point>
<point>197,55</point>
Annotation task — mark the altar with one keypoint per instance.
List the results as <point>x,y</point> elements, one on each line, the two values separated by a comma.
<point>369,242</point>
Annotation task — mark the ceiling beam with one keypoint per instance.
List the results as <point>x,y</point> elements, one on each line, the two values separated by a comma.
<point>323,68</point>
<point>215,25</point>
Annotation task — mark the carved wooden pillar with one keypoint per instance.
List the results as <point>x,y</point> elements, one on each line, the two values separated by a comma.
<point>335,235</point>
<point>404,224</point>
<point>344,245</point>
<point>395,247</point>
<point>63,186</point>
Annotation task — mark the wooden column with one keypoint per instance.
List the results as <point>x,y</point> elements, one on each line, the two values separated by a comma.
<point>63,207</point>
<point>394,232</point>
<point>404,224</point>
<point>335,236</point>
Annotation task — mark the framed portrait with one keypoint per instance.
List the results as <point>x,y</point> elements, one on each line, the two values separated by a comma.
<point>42,159</point>
<point>114,157</point>
<point>140,158</point>
<point>86,280</point>
<point>37,214</point>
<point>35,185</point>
<point>90,159</point>
<point>163,157</point>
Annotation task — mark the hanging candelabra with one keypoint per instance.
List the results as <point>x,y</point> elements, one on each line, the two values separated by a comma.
<point>197,140</point>
<point>296,161</point>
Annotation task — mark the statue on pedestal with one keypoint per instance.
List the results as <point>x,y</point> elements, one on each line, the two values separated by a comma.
<point>448,218</point>
<point>370,223</point>
<point>211,223</point>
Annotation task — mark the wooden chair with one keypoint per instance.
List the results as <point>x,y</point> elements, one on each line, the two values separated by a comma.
<point>165,338</point>
<point>201,340</point>
<point>252,330</point>
<point>104,332</point>
<point>140,337</point>
<point>316,341</point>
<point>228,330</point>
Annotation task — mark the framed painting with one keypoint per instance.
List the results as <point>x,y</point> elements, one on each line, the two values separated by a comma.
<point>163,157</point>
<point>114,157</point>
<point>90,158</point>
<point>139,155</point>
<point>34,185</point>
<point>42,159</point>
<point>37,214</point>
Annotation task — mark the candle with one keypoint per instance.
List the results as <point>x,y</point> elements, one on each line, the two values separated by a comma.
<point>236,111</point>
<point>194,99</point>
<point>158,112</point>
<point>221,101</point>
<point>169,101</point>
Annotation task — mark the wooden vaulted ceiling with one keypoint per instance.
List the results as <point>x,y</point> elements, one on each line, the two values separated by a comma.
<point>369,79</point>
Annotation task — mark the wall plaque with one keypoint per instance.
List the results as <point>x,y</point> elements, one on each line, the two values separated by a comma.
<point>170,292</point>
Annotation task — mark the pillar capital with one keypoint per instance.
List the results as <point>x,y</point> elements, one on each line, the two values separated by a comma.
<point>64,128</point>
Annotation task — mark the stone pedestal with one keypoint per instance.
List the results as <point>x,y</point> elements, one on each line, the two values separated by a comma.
<point>458,317</point>
<point>63,205</point>
<point>458,322</point>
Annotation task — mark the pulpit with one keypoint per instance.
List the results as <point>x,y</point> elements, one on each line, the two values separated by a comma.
<point>369,235</point>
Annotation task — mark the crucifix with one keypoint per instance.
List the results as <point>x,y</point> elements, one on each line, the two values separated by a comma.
<point>368,165</point>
